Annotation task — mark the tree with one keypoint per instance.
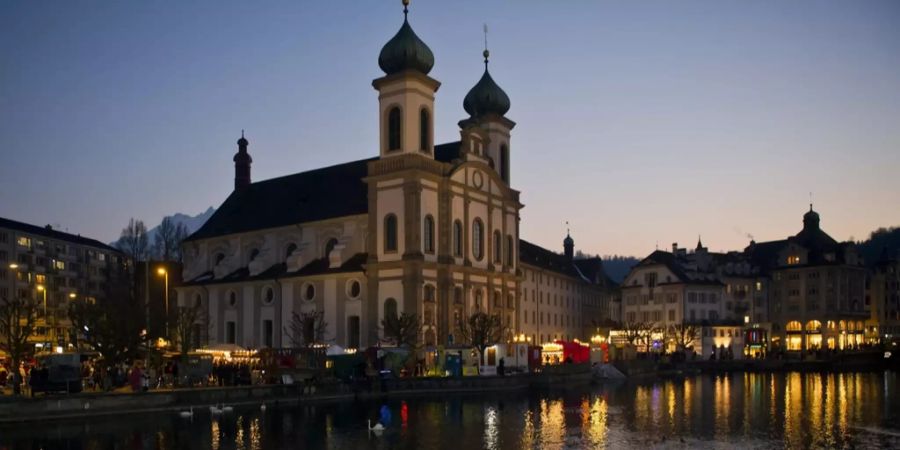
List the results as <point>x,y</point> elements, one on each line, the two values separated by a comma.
<point>307,329</point>
<point>187,322</point>
<point>164,242</point>
<point>481,330</point>
<point>181,233</point>
<point>402,331</point>
<point>635,331</point>
<point>133,240</point>
<point>17,322</point>
<point>684,335</point>
<point>113,329</point>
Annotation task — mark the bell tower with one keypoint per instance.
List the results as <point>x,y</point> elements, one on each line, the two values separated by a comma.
<point>406,94</point>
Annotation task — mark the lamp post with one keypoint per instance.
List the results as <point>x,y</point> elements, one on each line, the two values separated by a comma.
<point>164,273</point>
<point>43,290</point>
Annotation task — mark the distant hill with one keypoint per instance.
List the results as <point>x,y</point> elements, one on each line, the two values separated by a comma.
<point>615,266</point>
<point>881,240</point>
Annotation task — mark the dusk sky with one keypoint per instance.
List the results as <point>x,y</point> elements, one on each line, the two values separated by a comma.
<point>638,122</point>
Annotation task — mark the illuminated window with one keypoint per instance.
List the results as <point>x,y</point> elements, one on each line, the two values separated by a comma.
<point>758,285</point>
<point>59,265</point>
<point>24,241</point>
<point>793,259</point>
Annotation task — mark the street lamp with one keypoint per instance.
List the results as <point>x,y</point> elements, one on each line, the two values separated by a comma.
<point>13,266</point>
<point>43,290</point>
<point>164,273</point>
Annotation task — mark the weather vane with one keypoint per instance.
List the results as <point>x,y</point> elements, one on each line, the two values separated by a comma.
<point>486,52</point>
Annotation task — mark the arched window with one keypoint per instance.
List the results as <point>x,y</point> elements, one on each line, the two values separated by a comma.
<point>390,233</point>
<point>793,326</point>
<point>504,163</point>
<point>428,234</point>
<point>498,299</point>
<point>393,129</point>
<point>458,295</point>
<point>254,253</point>
<point>330,246</point>
<point>510,254</point>
<point>457,238</point>
<point>219,258</point>
<point>498,249</point>
<point>429,293</point>
<point>290,249</point>
<point>478,296</point>
<point>478,239</point>
<point>390,308</point>
<point>424,130</point>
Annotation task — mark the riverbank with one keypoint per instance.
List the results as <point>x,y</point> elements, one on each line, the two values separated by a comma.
<point>91,404</point>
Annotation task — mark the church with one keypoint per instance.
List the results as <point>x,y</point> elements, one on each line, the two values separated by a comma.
<point>424,229</point>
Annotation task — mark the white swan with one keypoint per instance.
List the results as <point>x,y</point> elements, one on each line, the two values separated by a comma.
<point>378,428</point>
<point>262,407</point>
<point>227,409</point>
<point>214,409</point>
<point>187,414</point>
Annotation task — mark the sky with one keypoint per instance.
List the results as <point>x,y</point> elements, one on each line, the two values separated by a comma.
<point>640,123</point>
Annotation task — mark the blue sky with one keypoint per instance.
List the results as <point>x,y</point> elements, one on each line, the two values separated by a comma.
<point>638,122</point>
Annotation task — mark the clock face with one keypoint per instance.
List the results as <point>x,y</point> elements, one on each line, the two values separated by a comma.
<point>477,179</point>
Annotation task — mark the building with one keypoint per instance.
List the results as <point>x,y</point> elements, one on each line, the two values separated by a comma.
<point>55,268</point>
<point>562,298</point>
<point>424,229</point>
<point>816,289</point>
<point>154,283</point>
<point>883,294</point>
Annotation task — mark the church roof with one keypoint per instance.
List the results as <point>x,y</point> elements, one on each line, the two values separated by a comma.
<point>319,194</point>
<point>447,152</point>
<point>538,256</point>
<point>279,270</point>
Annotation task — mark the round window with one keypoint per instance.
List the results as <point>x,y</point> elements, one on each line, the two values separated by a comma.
<point>232,298</point>
<point>269,295</point>
<point>309,292</point>
<point>353,289</point>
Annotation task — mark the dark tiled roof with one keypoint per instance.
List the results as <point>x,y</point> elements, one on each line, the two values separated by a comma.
<point>314,267</point>
<point>674,265</point>
<point>319,194</point>
<point>591,269</point>
<point>54,234</point>
<point>540,257</point>
<point>447,152</point>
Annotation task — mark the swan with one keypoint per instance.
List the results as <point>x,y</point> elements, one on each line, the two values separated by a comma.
<point>378,428</point>
<point>227,409</point>
<point>214,409</point>
<point>262,407</point>
<point>187,414</point>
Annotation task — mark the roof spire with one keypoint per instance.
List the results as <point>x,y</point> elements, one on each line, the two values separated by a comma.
<point>486,53</point>
<point>405,8</point>
<point>810,201</point>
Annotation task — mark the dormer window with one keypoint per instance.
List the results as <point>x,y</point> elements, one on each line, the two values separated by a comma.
<point>793,259</point>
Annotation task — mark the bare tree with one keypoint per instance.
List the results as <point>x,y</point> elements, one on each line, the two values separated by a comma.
<point>188,323</point>
<point>684,334</point>
<point>18,317</point>
<point>164,242</point>
<point>307,329</point>
<point>481,330</point>
<point>635,331</point>
<point>112,328</point>
<point>133,240</point>
<point>402,331</point>
<point>181,233</point>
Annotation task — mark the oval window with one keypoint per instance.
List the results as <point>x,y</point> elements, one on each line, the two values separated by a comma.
<point>232,298</point>
<point>269,295</point>
<point>309,292</point>
<point>353,289</point>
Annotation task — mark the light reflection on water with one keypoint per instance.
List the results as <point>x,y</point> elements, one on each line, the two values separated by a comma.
<point>724,411</point>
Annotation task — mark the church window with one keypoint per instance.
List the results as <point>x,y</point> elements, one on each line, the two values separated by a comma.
<point>458,295</point>
<point>478,296</point>
<point>330,246</point>
<point>509,250</point>
<point>219,258</point>
<point>309,292</point>
<point>504,163</point>
<point>232,299</point>
<point>390,233</point>
<point>354,288</point>
<point>254,253</point>
<point>390,308</point>
<point>457,238</point>
<point>478,239</point>
<point>428,235</point>
<point>290,249</point>
<point>424,130</point>
<point>497,296</point>
<point>498,250</point>
<point>268,295</point>
<point>429,293</point>
<point>198,301</point>
<point>393,131</point>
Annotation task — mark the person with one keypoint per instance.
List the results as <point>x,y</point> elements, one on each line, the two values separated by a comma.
<point>501,368</point>
<point>135,378</point>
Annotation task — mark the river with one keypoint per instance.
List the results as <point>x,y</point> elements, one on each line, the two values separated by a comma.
<point>740,410</point>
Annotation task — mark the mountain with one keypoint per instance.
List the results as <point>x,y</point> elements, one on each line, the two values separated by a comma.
<point>193,223</point>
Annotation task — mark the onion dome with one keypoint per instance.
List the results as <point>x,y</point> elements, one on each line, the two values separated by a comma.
<point>811,219</point>
<point>242,155</point>
<point>405,51</point>
<point>486,97</point>
<point>568,241</point>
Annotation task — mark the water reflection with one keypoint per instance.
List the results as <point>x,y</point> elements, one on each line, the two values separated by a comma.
<point>756,410</point>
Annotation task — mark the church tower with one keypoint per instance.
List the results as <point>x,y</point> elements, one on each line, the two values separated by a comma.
<point>486,104</point>
<point>242,161</point>
<point>406,94</point>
